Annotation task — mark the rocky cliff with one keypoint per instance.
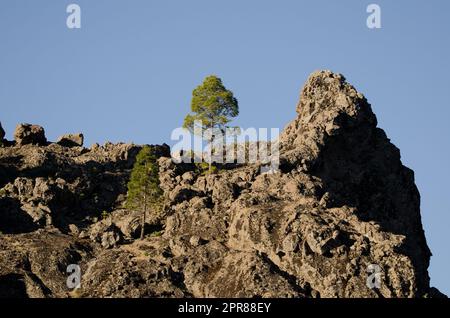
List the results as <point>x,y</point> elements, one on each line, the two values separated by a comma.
<point>341,208</point>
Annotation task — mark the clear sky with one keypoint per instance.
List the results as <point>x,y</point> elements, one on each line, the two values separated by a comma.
<point>128,73</point>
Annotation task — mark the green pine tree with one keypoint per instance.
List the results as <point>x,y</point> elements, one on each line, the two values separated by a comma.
<point>144,192</point>
<point>213,106</point>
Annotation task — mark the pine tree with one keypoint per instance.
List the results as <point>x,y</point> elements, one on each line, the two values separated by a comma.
<point>213,106</point>
<point>144,191</point>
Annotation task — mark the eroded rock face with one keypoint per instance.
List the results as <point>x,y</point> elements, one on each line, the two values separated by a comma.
<point>25,134</point>
<point>57,186</point>
<point>341,207</point>
<point>335,139</point>
<point>126,273</point>
<point>341,203</point>
<point>34,264</point>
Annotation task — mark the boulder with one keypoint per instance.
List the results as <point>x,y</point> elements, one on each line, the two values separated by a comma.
<point>111,238</point>
<point>128,223</point>
<point>71,140</point>
<point>29,134</point>
<point>106,233</point>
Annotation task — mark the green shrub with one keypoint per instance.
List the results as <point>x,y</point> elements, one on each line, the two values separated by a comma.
<point>105,214</point>
<point>204,168</point>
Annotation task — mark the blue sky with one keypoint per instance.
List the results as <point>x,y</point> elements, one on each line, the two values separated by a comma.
<point>128,73</point>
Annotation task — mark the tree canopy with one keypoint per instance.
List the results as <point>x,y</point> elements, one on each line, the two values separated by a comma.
<point>212,105</point>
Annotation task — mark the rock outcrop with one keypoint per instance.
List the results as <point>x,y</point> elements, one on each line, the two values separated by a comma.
<point>340,219</point>
<point>2,133</point>
<point>71,140</point>
<point>29,134</point>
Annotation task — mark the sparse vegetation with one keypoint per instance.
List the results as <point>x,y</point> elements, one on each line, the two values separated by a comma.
<point>156,233</point>
<point>212,107</point>
<point>105,215</point>
<point>205,168</point>
<point>144,192</point>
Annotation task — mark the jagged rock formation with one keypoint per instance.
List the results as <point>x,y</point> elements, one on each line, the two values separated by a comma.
<point>29,134</point>
<point>2,132</point>
<point>341,202</point>
<point>71,140</point>
<point>58,186</point>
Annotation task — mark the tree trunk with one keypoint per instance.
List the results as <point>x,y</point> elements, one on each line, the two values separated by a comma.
<point>211,152</point>
<point>143,214</point>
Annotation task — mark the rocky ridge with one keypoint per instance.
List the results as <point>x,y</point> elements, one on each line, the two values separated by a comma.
<point>341,202</point>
